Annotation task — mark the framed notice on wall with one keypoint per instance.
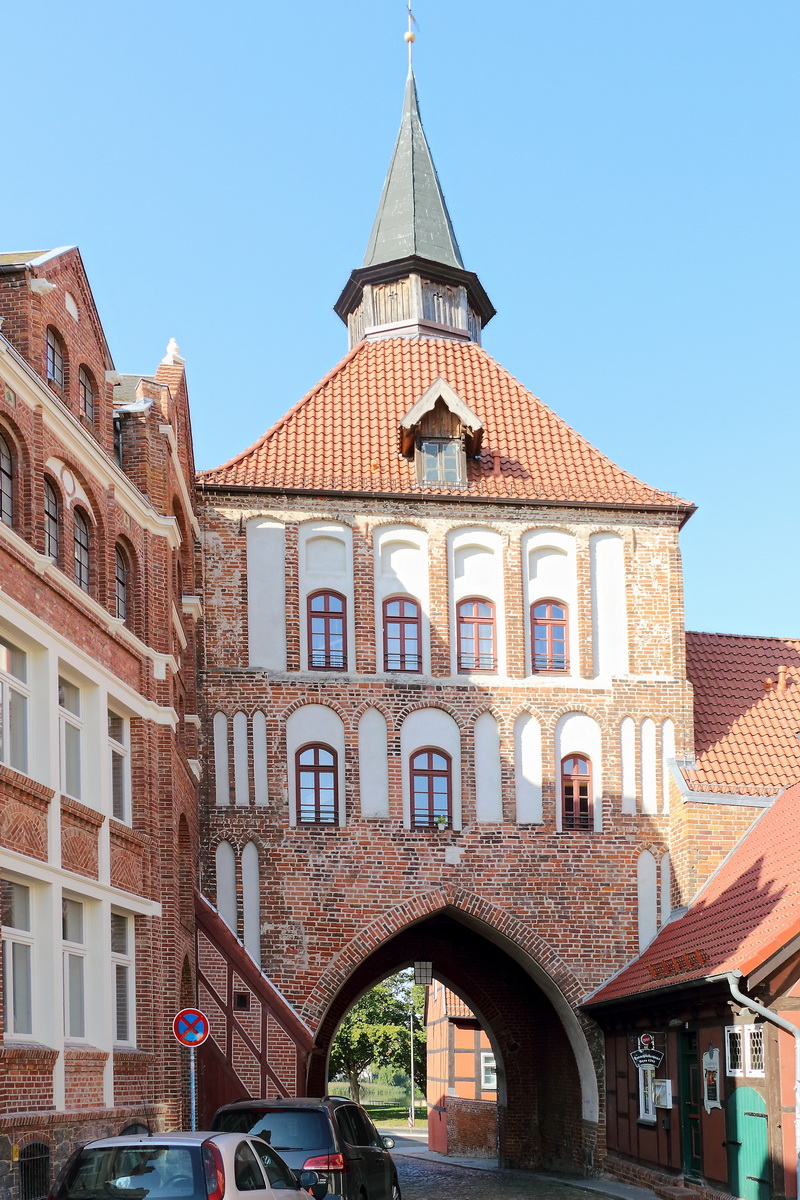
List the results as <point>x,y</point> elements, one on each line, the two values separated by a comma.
<point>662,1093</point>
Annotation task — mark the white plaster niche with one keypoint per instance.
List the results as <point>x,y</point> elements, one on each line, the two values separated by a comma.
<point>609,605</point>
<point>266,594</point>
<point>649,785</point>
<point>488,770</point>
<point>251,902</point>
<point>260,761</point>
<point>222,782</point>
<point>627,734</point>
<point>647,890</point>
<point>528,769</point>
<point>226,884</point>
<point>241,767</point>
<point>373,764</point>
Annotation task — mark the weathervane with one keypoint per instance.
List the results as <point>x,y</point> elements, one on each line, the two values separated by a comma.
<point>409,34</point>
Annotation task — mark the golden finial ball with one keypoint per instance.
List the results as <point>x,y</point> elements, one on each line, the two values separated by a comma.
<point>410,36</point>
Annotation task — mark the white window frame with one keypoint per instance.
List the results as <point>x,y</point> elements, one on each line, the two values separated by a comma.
<point>750,1033</point>
<point>647,1100</point>
<point>74,950</point>
<point>120,961</point>
<point>488,1071</point>
<point>734,1033</point>
<point>13,683</point>
<point>15,935</point>
<point>120,751</point>
<point>75,721</point>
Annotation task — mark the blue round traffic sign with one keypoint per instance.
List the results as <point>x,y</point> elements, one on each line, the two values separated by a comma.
<point>191,1027</point>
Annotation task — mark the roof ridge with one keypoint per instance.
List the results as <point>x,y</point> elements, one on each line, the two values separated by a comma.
<point>755,637</point>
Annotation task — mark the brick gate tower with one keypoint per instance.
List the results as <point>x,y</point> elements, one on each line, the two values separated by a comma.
<point>444,677</point>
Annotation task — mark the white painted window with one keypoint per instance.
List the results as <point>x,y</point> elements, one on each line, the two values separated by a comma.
<point>488,771</point>
<point>122,968</point>
<point>528,769</point>
<point>74,960</point>
<point>18,948</point>
<point>373,764</point>
<point>251,902</point>
<point>315,725</point>
<point>225,861</point>
<point>609,605</point>
<point>488,1071</point>
<point>476,573</point>
<point>120,765</point>
<point>754,1050</point>
<point>647,1103</point>
<point>401,571</point>
<point>326,567</point>
<point>579,734</point>
<point>549,573</point>
<point>70,733</point>
<point>734,1050</point>
<point>14,706</point>
<point>431,728</point>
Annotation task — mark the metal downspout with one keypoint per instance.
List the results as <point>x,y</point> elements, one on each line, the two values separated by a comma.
<point>794,1030</point>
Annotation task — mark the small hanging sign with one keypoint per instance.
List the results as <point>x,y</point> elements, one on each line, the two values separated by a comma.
<point>711,1078</point>
<point>647,1055</point>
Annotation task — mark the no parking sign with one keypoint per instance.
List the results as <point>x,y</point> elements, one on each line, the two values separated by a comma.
<point>191,1027</point>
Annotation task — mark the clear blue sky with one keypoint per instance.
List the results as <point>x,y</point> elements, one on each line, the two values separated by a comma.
<point>623,176</point>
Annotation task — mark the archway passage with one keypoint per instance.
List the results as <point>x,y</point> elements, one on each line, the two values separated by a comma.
<point>540,1105</point>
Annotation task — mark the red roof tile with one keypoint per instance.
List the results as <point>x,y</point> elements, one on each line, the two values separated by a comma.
<point>746,911</point>
<point>745,736</point>
<point>343,435</point>
<point>454,1006</point>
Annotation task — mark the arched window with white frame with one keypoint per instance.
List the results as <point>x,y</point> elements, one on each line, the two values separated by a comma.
<point>327,630</point>
<point>430,746</point>
<point>579,773</point>
<point>477,593</point>
<point>315,749</point>
<point>551,602</point>
<point>402,599</point>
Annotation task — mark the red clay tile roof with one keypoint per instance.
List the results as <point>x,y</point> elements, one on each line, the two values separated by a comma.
<point>454,1006</point>
<point>343,435</point>
<point>746,910</point>
<point>745,737</point>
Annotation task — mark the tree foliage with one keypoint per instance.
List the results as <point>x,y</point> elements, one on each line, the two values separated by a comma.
<point>376,1031</point>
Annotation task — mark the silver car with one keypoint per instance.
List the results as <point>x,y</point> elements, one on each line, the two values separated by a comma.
<point>180,1166</point>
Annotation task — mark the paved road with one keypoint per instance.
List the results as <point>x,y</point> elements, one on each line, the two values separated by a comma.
<point>421,1179</point>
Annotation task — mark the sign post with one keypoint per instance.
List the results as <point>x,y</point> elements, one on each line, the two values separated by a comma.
<point>191,1029</point>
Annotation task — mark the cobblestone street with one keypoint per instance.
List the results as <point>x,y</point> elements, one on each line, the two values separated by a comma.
<point>421,1179</point>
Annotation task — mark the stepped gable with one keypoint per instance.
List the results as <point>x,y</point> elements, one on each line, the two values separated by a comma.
<point>748,910</point>
<point>745,733</point>
<point>343,435</point>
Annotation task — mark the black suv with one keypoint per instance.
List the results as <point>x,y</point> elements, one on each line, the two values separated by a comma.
<point>331,1136</point>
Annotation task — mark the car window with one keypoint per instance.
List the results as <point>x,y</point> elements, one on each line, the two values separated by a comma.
<point>344,1119</point>
<point>286,1129</point>
<point>276,1170</point>
<point>137,1172</point>
<point>246,1170</point>
<point>356,1126</point>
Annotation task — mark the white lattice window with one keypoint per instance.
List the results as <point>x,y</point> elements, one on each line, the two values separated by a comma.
<point>754,1050</point>
<point>734,1050</point>
<point>488,1071</point>
<point>647,1101</point>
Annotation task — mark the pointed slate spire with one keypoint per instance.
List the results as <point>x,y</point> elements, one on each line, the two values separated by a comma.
<point>412,216</point>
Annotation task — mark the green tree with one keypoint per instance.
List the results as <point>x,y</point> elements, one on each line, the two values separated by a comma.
<point>376,1031</point>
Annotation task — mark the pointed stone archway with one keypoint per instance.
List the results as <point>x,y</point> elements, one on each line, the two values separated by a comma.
<point>548,1056</point>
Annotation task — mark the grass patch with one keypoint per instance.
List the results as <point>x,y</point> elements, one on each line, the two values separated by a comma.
<point>396,1114</point>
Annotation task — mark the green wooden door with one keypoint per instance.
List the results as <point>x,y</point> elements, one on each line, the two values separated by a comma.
<point>690,1100</point>
<point>746,1136</point>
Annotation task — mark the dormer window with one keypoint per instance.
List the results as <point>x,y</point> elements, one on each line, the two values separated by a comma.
<point>440,462</point>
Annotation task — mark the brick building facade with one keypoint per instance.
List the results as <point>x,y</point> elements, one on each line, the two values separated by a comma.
<point>98,727</point>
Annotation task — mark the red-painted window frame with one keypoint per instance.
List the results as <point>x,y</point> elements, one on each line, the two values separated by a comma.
<point>470,662</point>
<point>429,772</point>
<point>576,783</point>
<point>404,660</point>
<point>326,658</point>
<point>551,660</point>
<point>327,814</point>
